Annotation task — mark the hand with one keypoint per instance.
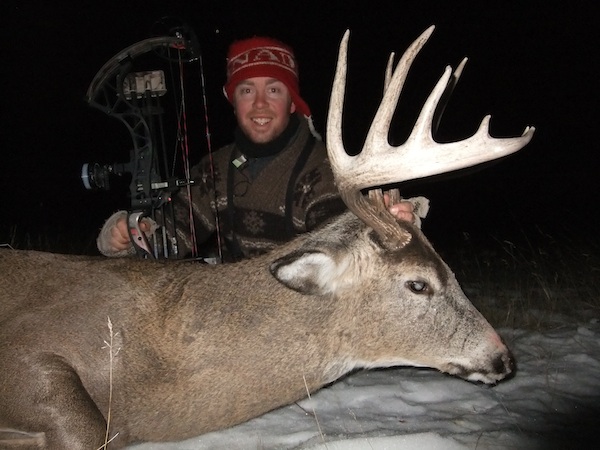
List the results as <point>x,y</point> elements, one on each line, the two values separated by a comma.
<point>402,211</point>
<point>119,235</point>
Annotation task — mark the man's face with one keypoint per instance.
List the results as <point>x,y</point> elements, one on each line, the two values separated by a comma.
<point>262,107</point>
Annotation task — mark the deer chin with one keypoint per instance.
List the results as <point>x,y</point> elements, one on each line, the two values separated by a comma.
<point>385,363</point>
<point>499,369</point>
<point>343,366</point>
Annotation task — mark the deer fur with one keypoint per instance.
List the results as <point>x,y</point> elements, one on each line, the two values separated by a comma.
<point>200,347</point>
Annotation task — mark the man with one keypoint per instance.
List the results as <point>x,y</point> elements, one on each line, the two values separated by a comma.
<point>272,183</point>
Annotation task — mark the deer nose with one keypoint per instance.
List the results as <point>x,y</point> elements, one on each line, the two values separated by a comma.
<point>504,363</point>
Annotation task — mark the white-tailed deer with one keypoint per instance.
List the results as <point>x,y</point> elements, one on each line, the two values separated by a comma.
<point>195,348</point>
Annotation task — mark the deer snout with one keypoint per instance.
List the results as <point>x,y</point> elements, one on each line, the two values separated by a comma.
<point>495,369</point>
<point>490,363</point>
<point>498,365</point>
<point>504,363</point>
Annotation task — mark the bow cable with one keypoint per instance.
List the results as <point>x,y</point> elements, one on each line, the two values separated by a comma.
<point>210,157</point>
<point>182,128</point>
<point>185,155</point>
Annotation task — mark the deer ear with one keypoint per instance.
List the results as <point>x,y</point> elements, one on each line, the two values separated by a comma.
<point>308,272</point>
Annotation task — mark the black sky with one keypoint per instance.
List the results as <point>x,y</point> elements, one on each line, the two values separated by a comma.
<point>529,64</point>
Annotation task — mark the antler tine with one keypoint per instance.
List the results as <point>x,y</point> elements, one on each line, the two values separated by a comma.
<point>383,118</point>
<point>389,70</point>
<point>337,154</point>
<point>446,95</point>
<point>372,213</point>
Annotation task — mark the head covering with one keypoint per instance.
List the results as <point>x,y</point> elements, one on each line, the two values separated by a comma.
<point>264,57</point>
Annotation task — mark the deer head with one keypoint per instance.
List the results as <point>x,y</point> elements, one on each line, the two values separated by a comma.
<point>400,265</point>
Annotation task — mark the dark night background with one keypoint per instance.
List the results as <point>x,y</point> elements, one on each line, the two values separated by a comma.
<point>529,64</point>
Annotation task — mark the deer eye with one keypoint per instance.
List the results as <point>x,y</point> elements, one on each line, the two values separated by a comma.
<point>418,287</point>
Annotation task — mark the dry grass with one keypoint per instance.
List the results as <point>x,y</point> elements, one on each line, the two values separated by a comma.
<point>62,241</point>
<point>112,353</point>
<point>533,283</point>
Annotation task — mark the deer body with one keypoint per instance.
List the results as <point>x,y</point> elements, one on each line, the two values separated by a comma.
<point>196,348</point>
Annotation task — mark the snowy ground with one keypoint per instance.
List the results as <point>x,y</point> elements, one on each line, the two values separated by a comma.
<point>553,402</point>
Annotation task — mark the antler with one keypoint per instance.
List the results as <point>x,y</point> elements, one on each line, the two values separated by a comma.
<point>420,156</point>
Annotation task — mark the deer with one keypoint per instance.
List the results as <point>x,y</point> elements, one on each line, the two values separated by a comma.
<point>101,353</point>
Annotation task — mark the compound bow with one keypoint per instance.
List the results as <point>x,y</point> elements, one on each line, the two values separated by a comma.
<point>134,98</point>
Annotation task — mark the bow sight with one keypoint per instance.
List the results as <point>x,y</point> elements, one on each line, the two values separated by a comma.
<point>124,90</point>
<point>140,91</point>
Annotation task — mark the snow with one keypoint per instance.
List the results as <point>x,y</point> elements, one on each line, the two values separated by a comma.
<point>553,401</point>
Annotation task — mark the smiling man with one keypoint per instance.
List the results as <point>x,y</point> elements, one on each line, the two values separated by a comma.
<point>272,183</point>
